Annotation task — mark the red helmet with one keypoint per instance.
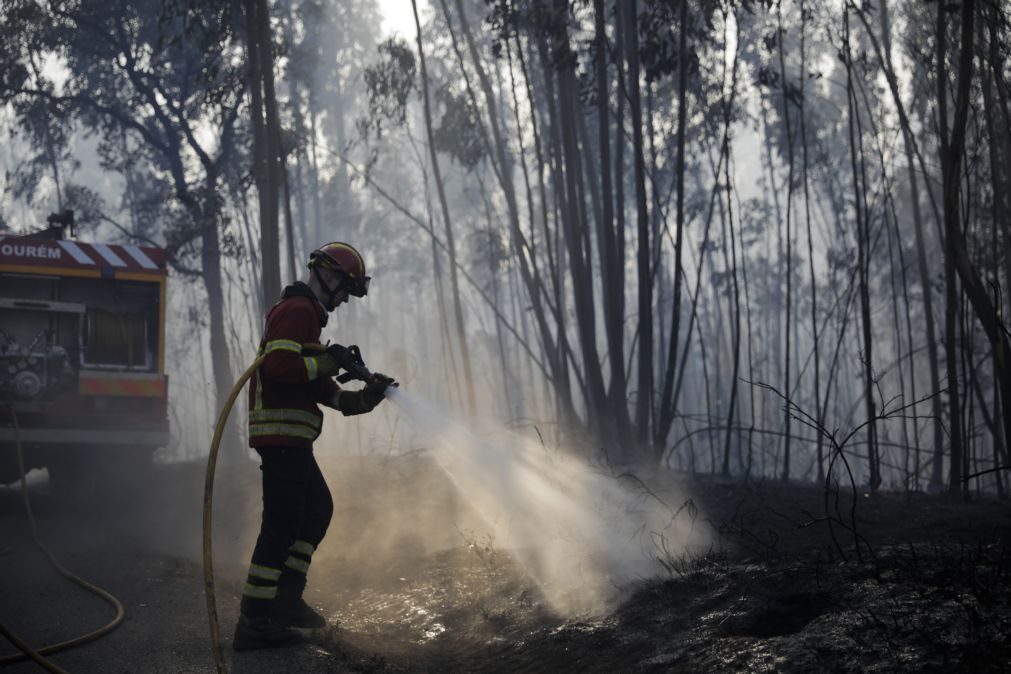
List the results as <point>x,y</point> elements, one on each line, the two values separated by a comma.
<point>343,257</point>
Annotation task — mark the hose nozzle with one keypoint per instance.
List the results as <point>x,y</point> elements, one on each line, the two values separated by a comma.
<point>350,360</point>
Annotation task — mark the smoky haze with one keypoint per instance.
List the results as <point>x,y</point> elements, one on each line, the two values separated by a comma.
<point>790,273</point>
<point>614,248</point>
<point>698,312</point>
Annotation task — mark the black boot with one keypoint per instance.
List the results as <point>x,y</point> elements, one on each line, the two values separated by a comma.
<point>293,611</point>
<point>262,627</point>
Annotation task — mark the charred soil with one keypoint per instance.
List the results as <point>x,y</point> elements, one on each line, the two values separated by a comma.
<point>411,582</point>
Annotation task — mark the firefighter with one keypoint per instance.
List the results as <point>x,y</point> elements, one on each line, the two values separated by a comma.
<point>284,420</point>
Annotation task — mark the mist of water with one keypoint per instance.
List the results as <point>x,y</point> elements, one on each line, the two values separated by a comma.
<point>582,534</point>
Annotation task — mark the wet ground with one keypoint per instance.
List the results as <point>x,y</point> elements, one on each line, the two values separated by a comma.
<point>412,584</point>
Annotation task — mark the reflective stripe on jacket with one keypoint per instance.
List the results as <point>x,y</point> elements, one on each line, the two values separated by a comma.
<point>285,391</point>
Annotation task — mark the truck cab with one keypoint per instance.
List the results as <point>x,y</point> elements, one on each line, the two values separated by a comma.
<point>82,357</point>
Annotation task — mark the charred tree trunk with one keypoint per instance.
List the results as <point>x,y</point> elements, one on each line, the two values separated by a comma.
<point>551,157</point>
<point>736,345</point>
<point>810,246</point>
<point>949,161</point>
<point>997,68</point>
<point>863,263</point>
<point>644,381</point>
<point>787,383</point>
<point>957,250</point>
<point>573,217</point>
<point>611,266</point>
<point>667,408</point>
<point>1000,187</point>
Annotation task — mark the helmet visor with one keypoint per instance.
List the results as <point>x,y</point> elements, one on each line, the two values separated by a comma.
<point>358,287</point>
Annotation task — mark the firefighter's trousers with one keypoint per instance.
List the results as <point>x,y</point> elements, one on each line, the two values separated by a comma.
<point>297,508</point>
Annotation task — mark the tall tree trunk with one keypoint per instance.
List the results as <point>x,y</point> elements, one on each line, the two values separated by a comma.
<point>957,249</point>
<point>264,145</point>
<point>611,266</point>
<point>667,408</point>
<point>314,182</point>
<point>644,381</point>
<point>574,221</point>
<point>949,161</point>
<point>533,281</point>
<point>773,322</point>
<point>703,254</point>
<point>518,316</point>
<point>295,104</point>
<point>787,382</point>
<point>997,68</point>
<point>619,197</point>
<point>736,346</point>
<point>495,146</point>
<point>736,339</point>
<point>810,244</point>
<point>911,152</point>
<point>273,165</point>
<point>863,260</point>
<point>551,157</point>
<point>210,273</point>
<point>461,333</point>
<point>999,186</point>
<point>289,220</point>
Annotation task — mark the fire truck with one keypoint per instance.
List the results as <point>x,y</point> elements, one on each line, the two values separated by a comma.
<point>82,356</point>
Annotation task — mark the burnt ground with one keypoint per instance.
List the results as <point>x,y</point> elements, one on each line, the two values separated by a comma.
<point>409,587</point>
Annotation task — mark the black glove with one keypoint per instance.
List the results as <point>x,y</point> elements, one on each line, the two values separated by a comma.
<point>338,352</point>
<point>326,365</point>
<point>350,403</point>
<point>375,390</point>
<point>348,358</point>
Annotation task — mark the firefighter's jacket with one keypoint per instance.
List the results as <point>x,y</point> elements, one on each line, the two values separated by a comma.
<point>285,392</point>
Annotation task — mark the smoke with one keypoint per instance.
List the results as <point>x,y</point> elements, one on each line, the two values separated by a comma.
<point>583,536</point>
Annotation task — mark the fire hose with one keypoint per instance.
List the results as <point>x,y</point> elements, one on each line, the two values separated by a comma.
<point>350,360</point>
<point>38,655</point>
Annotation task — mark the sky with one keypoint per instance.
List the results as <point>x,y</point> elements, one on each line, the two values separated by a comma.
<point>397,16</point>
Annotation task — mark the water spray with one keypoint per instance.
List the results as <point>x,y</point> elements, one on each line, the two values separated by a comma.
<point>581,533</point>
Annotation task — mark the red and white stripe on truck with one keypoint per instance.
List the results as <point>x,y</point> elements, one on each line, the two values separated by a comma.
<point>70,255</point>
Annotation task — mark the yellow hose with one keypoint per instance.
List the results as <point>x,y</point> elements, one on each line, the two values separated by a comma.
<point>212,460</point>
<point>27,652</point>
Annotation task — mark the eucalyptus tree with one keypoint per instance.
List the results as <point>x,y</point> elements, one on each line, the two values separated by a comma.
<point>884,53</point>
<point>326,49</point>
<point>266,142</point>
<point>461,334</point>
<point>46,138</point>
<point>957,260</point>
<point>684,39</point>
